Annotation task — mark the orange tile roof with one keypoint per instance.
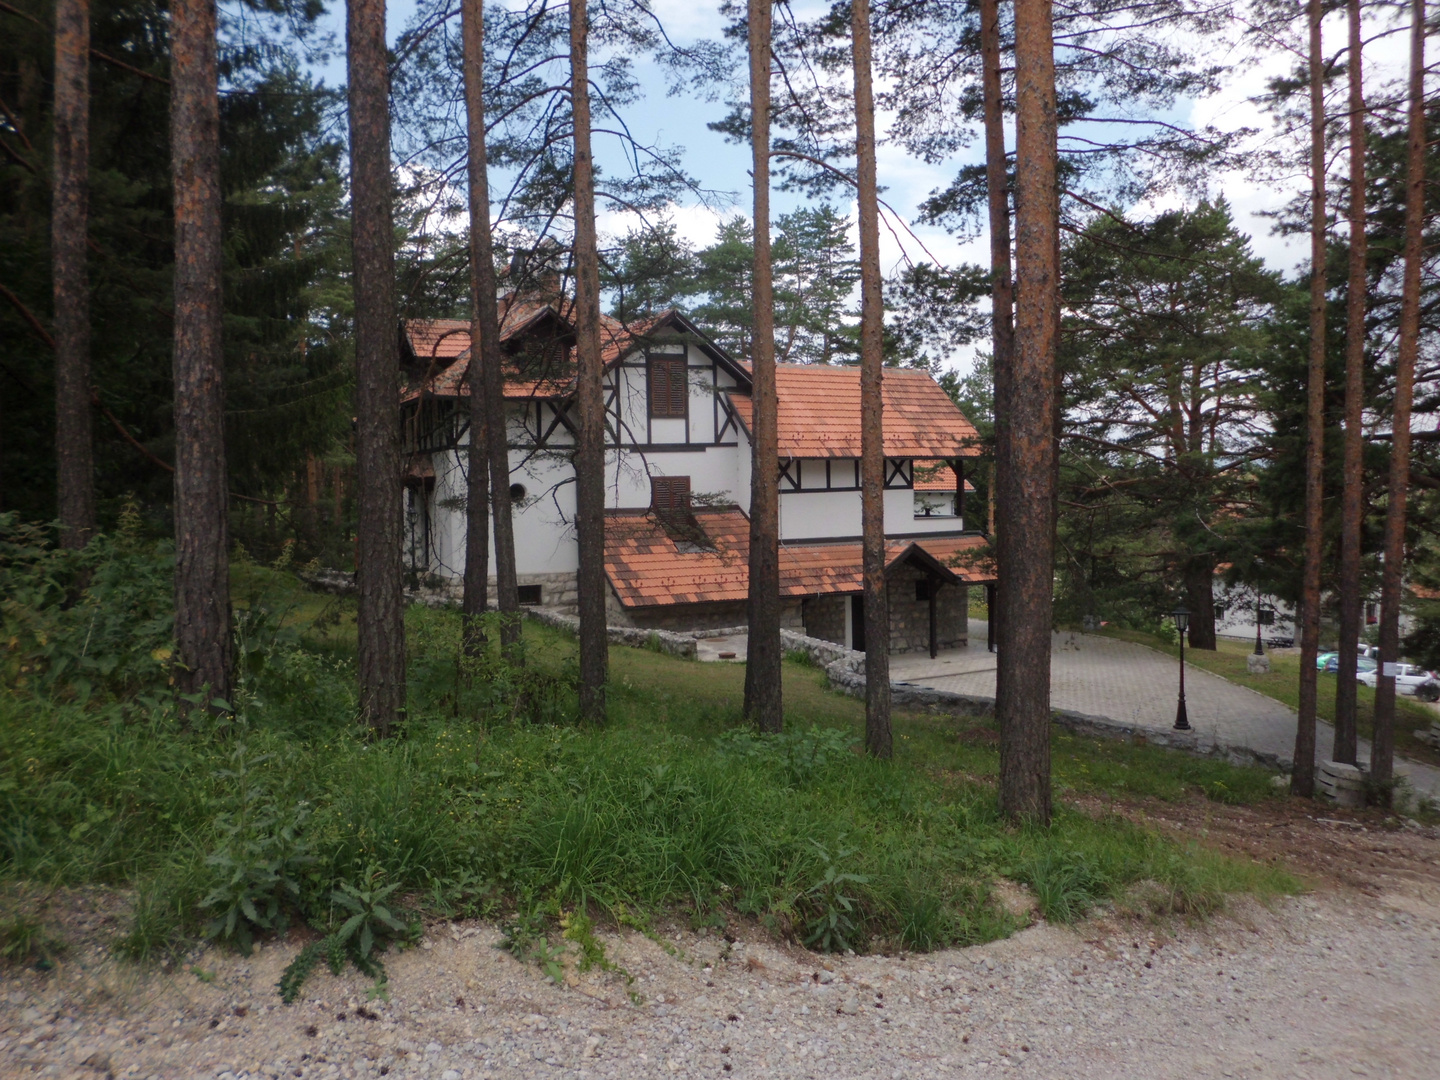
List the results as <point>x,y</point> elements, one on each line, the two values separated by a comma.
<point>647,568</point>
<point>448,341</point>
<point>936,476</point>
<point>819,414</point>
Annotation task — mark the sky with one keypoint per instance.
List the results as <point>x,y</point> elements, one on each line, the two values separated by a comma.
<point>682,121</point>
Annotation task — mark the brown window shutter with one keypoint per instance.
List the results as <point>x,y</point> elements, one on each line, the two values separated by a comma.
<point>679,388</point>
<point>659,387</point>
<point>669,389</point>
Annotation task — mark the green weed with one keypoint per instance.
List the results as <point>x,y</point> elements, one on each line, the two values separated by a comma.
<point>25,941</point>
<point>488,800</point>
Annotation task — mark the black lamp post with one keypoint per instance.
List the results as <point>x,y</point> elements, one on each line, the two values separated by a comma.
<point>1182,621</point>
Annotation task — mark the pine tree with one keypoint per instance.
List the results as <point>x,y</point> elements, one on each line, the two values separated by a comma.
<point>1382,752</point>
<point>1353,471</point>
<point>1026,481</point>
<point>202,586</point>
<point>1002,288</point>
<point>1302,780</point>
<point>489,443</point>
<point>590,443</point>
<point>763,702</point>
<point>74,452</point>
<point>380,625</point>
<point>879,740</point>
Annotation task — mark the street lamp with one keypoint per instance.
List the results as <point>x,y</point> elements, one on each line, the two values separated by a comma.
<point>1264,616</point>
<point>1182,620</point>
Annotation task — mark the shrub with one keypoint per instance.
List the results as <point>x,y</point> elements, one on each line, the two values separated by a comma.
<point>80,622</point>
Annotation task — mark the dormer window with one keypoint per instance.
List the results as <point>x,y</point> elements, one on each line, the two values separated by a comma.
<point>669,388</point>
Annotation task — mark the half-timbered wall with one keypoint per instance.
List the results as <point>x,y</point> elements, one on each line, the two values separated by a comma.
<point>819,498</point>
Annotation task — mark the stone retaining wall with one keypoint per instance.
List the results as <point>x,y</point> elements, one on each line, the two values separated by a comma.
<point>681,645</point>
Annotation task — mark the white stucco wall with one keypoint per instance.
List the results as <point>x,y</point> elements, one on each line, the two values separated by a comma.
<point>544,533</point>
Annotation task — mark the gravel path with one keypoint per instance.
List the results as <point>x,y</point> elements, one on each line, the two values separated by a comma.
<point>1333,985</point>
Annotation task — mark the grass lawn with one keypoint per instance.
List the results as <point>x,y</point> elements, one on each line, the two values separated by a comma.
<point>1283,684</point>
<point>490,801</point>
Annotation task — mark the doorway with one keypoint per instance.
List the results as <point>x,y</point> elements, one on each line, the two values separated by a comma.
<point>857,623</point>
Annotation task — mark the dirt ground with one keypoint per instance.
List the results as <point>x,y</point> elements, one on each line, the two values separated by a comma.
<point>1341,982</point>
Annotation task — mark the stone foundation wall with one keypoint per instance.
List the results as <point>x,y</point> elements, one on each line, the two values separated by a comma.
<point>825,618</point>
<point>684,618</point>
<point>910,618</point>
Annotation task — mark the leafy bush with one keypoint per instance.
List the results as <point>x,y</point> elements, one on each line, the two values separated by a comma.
<point>261,854</point>
<point>75,623</point>
<point>372,924</point>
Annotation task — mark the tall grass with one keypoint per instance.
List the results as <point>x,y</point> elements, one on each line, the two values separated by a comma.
<point>486,802</point>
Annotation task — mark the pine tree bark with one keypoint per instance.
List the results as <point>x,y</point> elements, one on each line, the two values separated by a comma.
<point>487,379</point>
<point>202,584</point>
<point>1200,599</point>
<point>879,741</point>
<point>1302,780</point>
<point>475,593</point>
<point>1028,469</point>
<point>1353,470</point>
<point>1002,290</point>
<point>590,443</point>
<point>70,200</point>
<point>763,702</point>
<point>379,576</point>
<point>1382,752</point>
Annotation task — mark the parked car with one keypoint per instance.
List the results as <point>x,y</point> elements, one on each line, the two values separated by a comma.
<point>1412,679</point>
<point>1362,664</point>
<point>1327,661</point>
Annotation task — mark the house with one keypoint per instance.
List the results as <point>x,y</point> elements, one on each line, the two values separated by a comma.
<point>677,476</point>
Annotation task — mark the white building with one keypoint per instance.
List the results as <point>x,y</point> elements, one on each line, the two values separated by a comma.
<point>678,478</point>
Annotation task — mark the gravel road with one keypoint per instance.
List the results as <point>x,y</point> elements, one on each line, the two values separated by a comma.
<point>1335,984</point>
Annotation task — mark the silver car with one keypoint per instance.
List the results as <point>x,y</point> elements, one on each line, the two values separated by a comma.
<point>1411,679</point>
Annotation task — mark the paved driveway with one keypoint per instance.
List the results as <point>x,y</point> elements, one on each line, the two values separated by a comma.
<point>1100,676</point>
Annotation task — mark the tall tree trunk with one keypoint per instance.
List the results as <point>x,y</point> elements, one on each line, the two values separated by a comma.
<point>878,738</point>
<point>484,329</point>
<point>379,575</point>
<point>485,338</point>
<point>1354,465</point>
<point>1028,468</point>
<point>202,584</point>
<point>475,595</point>
<point>1302,780</point>
<point>1002,290</point>
<point>763,706</point>
<point>74,453</point>
<point>1200,599</point>
<point>590,443</point>
<point>1382,753</point>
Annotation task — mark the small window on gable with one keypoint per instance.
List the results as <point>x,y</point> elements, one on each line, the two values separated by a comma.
<point>670,494</point>
<point>669,388</point>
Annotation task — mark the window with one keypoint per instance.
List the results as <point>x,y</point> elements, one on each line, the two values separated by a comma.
<point>670,494</point>
<point>529,594</point>
<point>922,588</point>
<point>517,493</point>
<point>669,388</point>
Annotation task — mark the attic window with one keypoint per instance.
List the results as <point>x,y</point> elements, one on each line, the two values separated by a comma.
<point>669,388</point>
<point>542,358</point>
<point>670,495</point>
